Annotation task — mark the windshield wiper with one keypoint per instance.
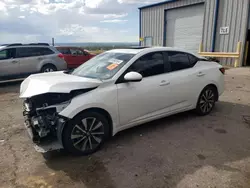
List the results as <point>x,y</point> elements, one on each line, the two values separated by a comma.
<point>68,71</point>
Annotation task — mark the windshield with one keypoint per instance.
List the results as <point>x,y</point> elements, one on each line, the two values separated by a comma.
<point>103,66</point>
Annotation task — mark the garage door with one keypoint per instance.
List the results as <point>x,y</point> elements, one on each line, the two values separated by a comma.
<point>184,27</point>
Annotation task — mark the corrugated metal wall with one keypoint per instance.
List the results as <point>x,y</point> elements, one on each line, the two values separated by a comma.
<point>209,19</point>
<point>232,13</point>
<point>152,19</point>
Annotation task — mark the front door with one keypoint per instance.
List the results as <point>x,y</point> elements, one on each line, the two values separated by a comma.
<point>139,101</point>
<point>9,65</point>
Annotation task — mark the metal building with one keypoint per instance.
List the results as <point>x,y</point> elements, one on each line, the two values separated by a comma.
<point>216,24</point>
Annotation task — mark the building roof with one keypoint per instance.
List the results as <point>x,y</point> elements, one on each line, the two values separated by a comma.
<point>157,4</point>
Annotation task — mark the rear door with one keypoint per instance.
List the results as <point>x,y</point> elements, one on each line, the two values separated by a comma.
<point>186,81</point>
<point>9,65</point>
<point>78,57</point>
<point>30,58</point>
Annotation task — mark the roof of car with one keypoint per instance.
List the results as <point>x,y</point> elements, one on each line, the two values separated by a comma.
<point>149,49</point>
<point>68,47</point>
<point>24,46</point>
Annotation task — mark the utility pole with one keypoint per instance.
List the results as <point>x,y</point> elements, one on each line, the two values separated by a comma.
<point>53,41</point>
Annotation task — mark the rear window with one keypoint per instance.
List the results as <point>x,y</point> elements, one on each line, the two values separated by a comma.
<point>45,51</point>
<point>64,50</point>
<point>33,51</point>
<point>193,60</point>
<point>180,60</point>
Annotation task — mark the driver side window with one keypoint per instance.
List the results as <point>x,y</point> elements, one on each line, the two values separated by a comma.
<point>7,54</point>
<point>149,65</point>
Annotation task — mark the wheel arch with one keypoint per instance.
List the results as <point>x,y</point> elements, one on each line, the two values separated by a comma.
<point>106,115</point>
<point>47,64</point>
<point>100,111</point>
<point>216,89</point>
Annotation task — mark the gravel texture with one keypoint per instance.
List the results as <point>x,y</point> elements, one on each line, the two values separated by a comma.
<point>183,151</point>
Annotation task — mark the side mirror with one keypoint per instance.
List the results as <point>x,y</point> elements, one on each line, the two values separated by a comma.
<point>133,77</point>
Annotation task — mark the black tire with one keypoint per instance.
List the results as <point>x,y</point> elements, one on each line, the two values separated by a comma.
<point>85,133</point>
<point>206,101</point>
<point>48,68</point>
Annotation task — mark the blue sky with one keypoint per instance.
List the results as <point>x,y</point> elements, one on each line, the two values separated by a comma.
<point>70,20</point>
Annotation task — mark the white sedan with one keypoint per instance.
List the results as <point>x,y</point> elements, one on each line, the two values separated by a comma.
<point>116,90</point>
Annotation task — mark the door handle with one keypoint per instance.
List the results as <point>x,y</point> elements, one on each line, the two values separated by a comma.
<point>14,61</point>
<point>200,74</point>
<point>164,83</point>
<point>39,58</point>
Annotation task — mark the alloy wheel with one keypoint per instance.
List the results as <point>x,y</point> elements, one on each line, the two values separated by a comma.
<point>49,70</point>
<point>207,101</point>
<point>88,134</point>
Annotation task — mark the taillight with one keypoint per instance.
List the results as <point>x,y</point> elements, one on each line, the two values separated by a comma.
<point>60,56</point>
<point>222,70</point>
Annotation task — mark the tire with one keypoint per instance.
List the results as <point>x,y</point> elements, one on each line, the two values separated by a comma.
<point>206,101</point>
<point>85,133</point>
<point>48,68</point>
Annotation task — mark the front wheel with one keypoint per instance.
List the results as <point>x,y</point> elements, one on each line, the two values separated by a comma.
<point>85,133</point>
<point>206,101</point>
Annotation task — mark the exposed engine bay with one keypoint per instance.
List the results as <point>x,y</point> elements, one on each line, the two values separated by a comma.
<point>41,113</point>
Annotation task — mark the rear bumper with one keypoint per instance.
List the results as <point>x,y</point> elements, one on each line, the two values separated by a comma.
<point>221,85</point>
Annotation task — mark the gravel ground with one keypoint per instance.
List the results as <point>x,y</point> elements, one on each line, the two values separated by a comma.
<point>182,151</point>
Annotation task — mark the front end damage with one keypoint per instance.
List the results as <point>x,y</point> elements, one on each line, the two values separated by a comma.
<point>43,122</point>
<point>45,96</point>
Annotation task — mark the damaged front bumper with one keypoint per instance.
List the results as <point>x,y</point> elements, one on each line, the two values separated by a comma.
<point>44,130</point>
<point>45,145</point>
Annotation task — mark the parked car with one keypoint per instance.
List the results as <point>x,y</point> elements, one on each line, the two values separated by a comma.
<point>116,90</point>
<point>74,56</point>
<point>20,60</point>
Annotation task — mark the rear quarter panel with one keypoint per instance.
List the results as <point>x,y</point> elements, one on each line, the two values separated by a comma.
<point>59,63</point>
<point>213,74</point>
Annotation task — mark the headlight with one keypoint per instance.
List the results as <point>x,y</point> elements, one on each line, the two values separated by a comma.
<point>60,107</point>
<point>53,108</point>
<point>27,106</point>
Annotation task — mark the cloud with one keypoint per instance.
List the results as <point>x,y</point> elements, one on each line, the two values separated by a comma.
<point>93,34</point>
<point>3,8</point>
<point>115,15</point>
<point>113,21</point>
<point>93,3</point>
<point>69,20</point>
<point>139,1</point>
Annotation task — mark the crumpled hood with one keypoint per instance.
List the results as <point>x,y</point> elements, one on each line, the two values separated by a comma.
<point>54,82</point>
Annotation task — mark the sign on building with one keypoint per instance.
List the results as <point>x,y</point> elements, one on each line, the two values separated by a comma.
<point>224,30</point>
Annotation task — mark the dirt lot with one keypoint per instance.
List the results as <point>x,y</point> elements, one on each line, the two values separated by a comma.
<point>179,151</point>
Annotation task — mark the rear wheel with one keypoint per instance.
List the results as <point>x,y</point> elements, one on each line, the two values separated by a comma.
<point>48,68</point>
<point>86,133</point>
<point>206,101</point>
